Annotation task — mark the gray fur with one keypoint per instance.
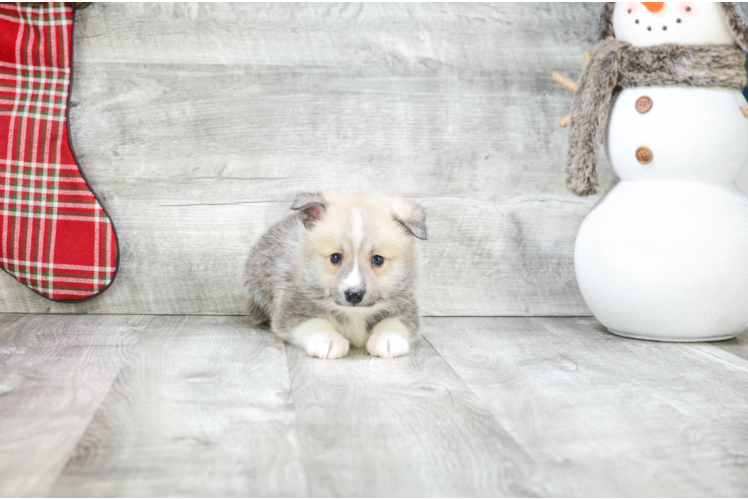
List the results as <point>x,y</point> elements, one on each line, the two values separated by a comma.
<point>414,223</point>
<point>311,207</point>
<point>737,17</point>
<point>281,278</point>
<point>617,64</point>
<point>605,21</point>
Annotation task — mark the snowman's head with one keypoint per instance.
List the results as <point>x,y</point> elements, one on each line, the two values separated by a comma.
<point>644,24</point>
<point>686,23</point>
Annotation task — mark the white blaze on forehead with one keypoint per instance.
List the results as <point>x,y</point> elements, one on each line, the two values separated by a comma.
<point>357,229</point>
<point>354,279</point>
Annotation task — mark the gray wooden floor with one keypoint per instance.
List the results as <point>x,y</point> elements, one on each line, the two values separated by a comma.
<point>105,405</point>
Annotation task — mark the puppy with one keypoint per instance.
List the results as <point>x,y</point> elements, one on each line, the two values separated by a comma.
<point>340,270</point>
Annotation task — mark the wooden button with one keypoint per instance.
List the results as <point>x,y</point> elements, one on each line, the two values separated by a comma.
<point>643,104</point>
<point>643,155</point>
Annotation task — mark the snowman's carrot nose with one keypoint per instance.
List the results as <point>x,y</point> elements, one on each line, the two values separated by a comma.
<point>654,6</point>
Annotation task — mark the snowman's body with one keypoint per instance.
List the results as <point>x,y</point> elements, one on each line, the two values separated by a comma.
<point>665,254</point>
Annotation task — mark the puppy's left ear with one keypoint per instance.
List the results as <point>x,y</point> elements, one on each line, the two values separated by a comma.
<point>312,207</point>
<point>411,216</point>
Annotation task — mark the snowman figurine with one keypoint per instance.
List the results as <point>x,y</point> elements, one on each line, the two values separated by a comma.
<point>664,255</point>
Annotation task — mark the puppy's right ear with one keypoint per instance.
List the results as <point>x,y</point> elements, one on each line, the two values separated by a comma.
<point>312,207</point>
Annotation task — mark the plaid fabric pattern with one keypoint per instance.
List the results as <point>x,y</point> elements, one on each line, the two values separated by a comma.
<point>56,238</point>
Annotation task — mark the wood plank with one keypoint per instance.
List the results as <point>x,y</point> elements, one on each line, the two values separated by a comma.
<point>201,408</point>
<point>403,427</point>
<point>737,346</point>
<point>54,372</point>
<point>197,124</point>
<point>603,415</point>
<point>373,35</point>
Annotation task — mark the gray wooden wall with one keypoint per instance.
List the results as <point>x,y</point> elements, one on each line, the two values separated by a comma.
<point>198,123</point>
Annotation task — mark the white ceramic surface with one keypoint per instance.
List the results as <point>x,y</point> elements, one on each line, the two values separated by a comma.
<point>667,260</point>
<point>665,254</point>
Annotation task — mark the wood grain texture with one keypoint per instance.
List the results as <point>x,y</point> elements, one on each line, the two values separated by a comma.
<point>54,372</point>
<point>201,408</point>
<point>198,123</point>
<point>99,405</point>
<point>737,346</point>
<point>603,415</point>
<point>402,427</point>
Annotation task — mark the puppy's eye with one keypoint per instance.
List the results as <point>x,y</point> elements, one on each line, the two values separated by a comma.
<point>336,258</point>
<point>377,260</point>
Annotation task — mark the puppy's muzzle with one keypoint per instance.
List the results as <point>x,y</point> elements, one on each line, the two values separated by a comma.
<point>354,296</point>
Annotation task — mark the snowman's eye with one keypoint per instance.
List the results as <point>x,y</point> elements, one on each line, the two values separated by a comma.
<point>688,9</point>
<point>629,11</point>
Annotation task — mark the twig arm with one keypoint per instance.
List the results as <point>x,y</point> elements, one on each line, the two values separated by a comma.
<point>564,81</point>
<point>745,111</point>
<point>572,86</point>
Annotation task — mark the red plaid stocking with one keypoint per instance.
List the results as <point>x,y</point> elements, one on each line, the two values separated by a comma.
<point>56,237</point>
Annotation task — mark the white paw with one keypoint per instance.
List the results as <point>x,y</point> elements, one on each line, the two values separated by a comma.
<point>387,345</point>
<point>327,345</point>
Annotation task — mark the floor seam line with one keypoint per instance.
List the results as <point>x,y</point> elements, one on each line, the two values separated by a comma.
<point>302,445</point>
<point>103,399</point>
<point>487,408</point>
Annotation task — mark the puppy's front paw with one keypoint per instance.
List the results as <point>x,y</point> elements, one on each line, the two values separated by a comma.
<point>387,345</point>
<point>327,345</point>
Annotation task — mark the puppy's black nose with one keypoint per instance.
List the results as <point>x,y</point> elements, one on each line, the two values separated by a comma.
<point>354,296</point>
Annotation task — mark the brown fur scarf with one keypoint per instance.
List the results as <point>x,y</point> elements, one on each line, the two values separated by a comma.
<point>616,64</point>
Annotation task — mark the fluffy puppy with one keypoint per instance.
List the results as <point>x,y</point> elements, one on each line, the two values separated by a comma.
<point>340,270</point>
